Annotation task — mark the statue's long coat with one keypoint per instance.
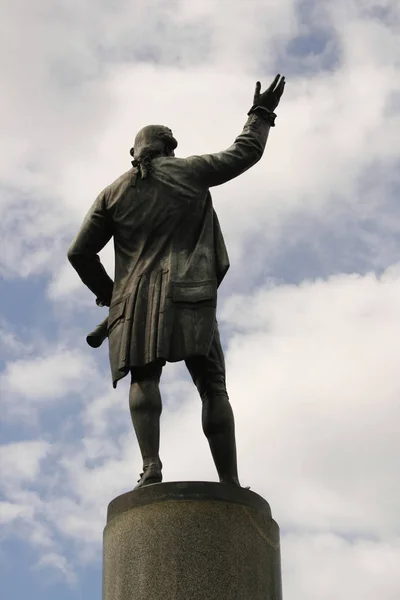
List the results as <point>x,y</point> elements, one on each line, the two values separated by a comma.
<point>170,255</point>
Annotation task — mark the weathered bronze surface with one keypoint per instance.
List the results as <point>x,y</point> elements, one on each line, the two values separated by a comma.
<point>170,258</point>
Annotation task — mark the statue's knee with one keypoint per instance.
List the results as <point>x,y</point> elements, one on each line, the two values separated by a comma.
<point>214,388</point>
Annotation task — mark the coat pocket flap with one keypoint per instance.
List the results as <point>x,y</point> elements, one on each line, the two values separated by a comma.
<point>194,292</point>
<point>116,312</point>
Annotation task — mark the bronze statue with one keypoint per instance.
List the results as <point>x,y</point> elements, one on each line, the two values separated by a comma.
<point>170,258</point>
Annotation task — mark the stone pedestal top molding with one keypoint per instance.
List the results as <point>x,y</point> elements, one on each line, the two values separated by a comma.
<point>191,541</point>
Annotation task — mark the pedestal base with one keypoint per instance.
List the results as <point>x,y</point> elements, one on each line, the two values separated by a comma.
<point>191,541</point>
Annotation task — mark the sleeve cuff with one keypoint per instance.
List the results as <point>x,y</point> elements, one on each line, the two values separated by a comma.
<point>264,113</point>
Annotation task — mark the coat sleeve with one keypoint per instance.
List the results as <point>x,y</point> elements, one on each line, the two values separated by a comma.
<point>215,169</point>
<point>94,234</point>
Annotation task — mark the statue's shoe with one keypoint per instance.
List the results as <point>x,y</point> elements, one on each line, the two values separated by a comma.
<point>230,480</point>
<point>233,481</point>
<point>151,475</point>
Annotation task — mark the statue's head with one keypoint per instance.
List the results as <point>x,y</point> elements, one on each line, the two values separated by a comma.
<point>152,141</point>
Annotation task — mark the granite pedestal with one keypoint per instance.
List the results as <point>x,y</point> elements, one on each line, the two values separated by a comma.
<point>191,541</point>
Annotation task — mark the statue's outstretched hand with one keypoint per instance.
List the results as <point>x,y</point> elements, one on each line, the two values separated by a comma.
<point>272,95</point>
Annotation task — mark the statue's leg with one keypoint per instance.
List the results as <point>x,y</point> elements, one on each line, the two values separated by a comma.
<point>208,374</point>
<point>145,407</point>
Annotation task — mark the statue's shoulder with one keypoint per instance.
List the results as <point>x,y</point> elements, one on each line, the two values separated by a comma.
<point>116,188</point>
<point>125,177</point>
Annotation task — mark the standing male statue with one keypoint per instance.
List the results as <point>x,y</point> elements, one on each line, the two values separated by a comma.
<point>170,258</point>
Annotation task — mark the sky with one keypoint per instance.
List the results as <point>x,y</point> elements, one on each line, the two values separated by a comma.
<point>309,312</point>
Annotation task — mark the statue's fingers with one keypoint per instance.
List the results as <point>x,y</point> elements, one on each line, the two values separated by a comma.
<point>257,92</point>
<point>273,84</point>
<point>281,87</point>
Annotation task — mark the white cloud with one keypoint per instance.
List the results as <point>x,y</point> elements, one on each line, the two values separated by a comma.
<point>327,566</point>
<point>103,414</point>
<point>332,127</point>
<point>45,379</point>
<point>10,511</point>
<point>21,511</point>
<point>10,344</point>
<point>20,461</point>
<point>313,378</point>
<point>319,364</point>
<point>59,563</point>
<point>313,368</point>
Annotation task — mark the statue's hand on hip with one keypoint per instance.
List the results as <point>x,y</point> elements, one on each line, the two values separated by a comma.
<point>101,303</point>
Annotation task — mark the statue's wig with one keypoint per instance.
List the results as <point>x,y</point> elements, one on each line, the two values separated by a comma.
<point>151,141</point>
